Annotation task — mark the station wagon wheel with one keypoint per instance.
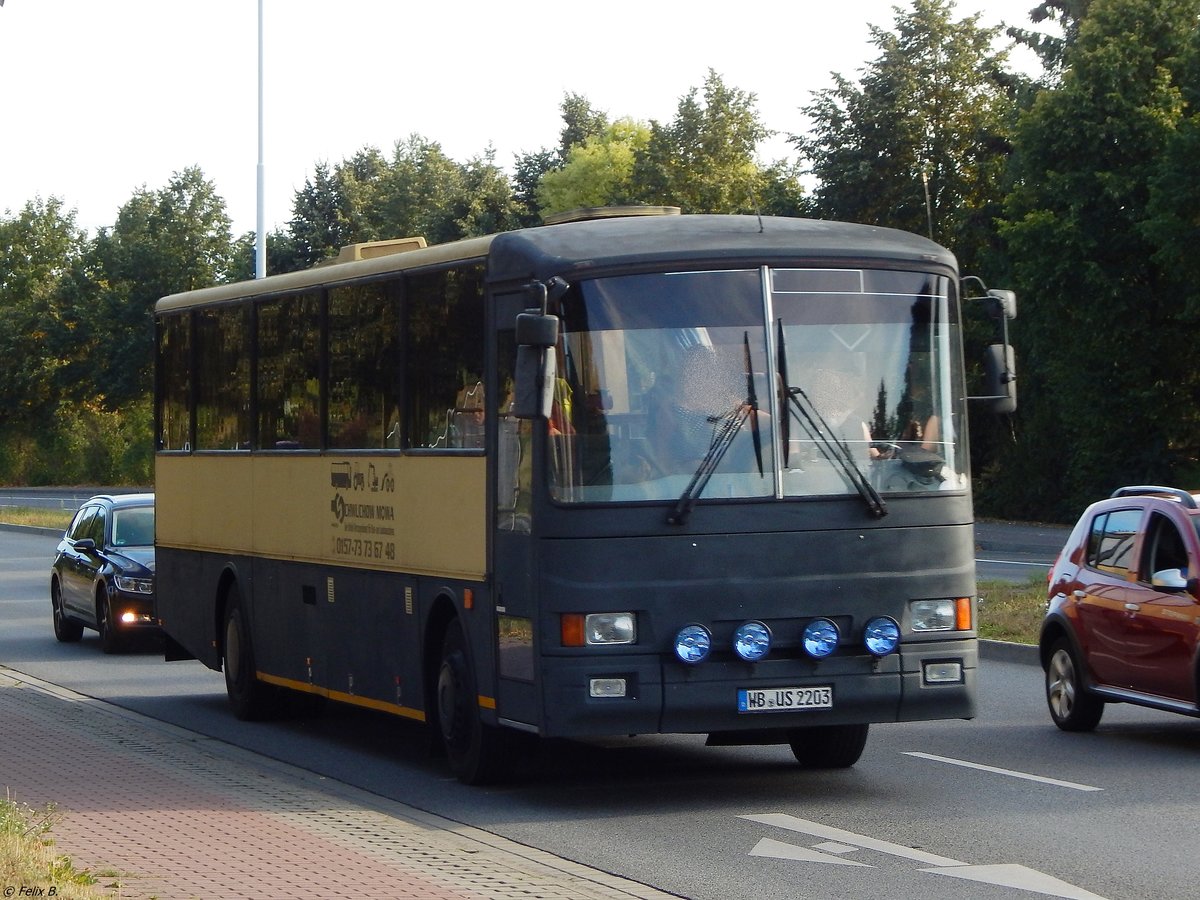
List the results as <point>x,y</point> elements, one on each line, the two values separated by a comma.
<point>66,629</point>
<point>473,748</point>
<point>250,698</point>
<point>1072,706</point>
<point>110,639</point>
<point>828,746</point>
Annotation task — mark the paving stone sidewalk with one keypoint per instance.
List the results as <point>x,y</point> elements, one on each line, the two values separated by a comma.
<point>180,815</point>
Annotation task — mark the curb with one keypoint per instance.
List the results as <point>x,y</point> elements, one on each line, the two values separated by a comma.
<point>1007,651</point>
<point>32,529</point>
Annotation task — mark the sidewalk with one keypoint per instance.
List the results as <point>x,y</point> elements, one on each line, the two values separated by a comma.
<point>180,816</point>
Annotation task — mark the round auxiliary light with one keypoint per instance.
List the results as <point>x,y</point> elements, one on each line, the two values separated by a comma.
<point>752,641</point>
<point>692,643</point>
<point>820,638</point>
<point>882,636</point>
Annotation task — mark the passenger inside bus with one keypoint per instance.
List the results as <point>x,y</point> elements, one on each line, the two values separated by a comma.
<point>687,409</point>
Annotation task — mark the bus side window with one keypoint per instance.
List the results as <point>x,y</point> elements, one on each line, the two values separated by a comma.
<point>443,353</point>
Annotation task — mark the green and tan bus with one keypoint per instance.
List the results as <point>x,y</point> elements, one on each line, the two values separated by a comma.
<point>629,474</point>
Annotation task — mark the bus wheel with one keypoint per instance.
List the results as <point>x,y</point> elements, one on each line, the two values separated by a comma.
<point>472,747</point>
<point>66,629</point>
<point>249,697</point>
<point>828,746</point>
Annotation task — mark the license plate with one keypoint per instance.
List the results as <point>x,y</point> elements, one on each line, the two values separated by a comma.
<point>786,699</point>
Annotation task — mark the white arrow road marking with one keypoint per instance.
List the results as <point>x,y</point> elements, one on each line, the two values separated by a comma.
<point>1002,875</point>
<point>1015,876</point>
<point>1041,779</point>
<point>829,833</point>
<point>780,850</point>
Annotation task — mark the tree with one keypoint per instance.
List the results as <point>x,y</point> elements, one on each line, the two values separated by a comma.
<point>165,241</point>
<point>581,122</point>
<point>920,144</point>
<point>1109,387</point>
<point>1049,48</point>
<point>320,223</point>
<point>704,160</point>
<point>597,172</point>
<point>38,249</point>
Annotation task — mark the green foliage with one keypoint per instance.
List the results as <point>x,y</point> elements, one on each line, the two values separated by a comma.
<point>1102,341</point>
<point>1052,49</point>
<point>597,172</point>
<point>28,862</point>
<point>81,444</point>
<point>37,329</point>
<point>920,144</point>
<point>704,160</point>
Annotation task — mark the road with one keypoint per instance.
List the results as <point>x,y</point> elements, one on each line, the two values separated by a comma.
<point>999,808</point>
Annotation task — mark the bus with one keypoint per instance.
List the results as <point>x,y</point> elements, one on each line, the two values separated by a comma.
<point>629,472</point>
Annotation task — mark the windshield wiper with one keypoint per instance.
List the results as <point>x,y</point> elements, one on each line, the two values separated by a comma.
<point>818,430</point>
<point>728,427</point>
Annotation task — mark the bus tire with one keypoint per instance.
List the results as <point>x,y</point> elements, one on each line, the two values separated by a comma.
<point>250,698</point>
<point>472,747</point>
<point>828,746</point>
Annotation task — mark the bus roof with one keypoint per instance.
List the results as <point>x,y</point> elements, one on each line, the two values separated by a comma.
<point>331,273</point>
<point>630,243</point>
<point>700,239</point>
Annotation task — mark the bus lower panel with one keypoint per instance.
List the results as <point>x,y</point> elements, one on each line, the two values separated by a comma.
<point>667,698</point>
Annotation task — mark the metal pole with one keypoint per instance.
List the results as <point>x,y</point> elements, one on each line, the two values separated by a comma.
<point>260,247</point>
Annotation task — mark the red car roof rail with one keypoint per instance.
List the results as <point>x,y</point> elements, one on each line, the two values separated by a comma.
<point>1141,490</point>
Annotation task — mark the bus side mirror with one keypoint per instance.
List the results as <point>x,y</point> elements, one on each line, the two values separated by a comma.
<point>537,334</point>
<point>1000,378</point>
<point>1004,304</point>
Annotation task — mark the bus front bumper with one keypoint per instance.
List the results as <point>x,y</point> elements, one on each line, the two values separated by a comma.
<point>649,695</point>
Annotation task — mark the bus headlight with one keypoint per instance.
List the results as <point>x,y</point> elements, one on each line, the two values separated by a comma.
<point>820,638</point>
<point>610,628</point>
<point>881,636</point>
<point>692,643</point>
<point>752,641</point>
<point>578,630</point>
<point>947,614</point>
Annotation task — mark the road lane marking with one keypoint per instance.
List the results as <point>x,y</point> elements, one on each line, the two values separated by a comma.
<point>779,850</point>
<point>829,833</point>
<point>1010,875</point>
<point>1041,779</point>
<point>1013,562</point>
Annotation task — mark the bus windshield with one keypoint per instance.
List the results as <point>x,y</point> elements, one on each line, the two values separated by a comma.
<point>757,383</point>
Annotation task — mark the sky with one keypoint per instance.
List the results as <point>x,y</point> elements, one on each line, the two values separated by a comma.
<point>100,98</point>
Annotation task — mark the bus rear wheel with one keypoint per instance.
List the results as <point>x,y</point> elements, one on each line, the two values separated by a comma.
<point>473,748</point>
<point>249,697</point>
<point>828,746</point>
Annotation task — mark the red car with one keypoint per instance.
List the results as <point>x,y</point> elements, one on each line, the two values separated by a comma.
<point>1123,614</point>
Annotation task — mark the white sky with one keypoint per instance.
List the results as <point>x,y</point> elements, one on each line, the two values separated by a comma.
<point>101,97</point>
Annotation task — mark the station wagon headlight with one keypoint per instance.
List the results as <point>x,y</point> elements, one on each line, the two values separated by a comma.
<point>135,585</point>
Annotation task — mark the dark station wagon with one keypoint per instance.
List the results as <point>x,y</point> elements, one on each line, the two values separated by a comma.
<point>103,572</point>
